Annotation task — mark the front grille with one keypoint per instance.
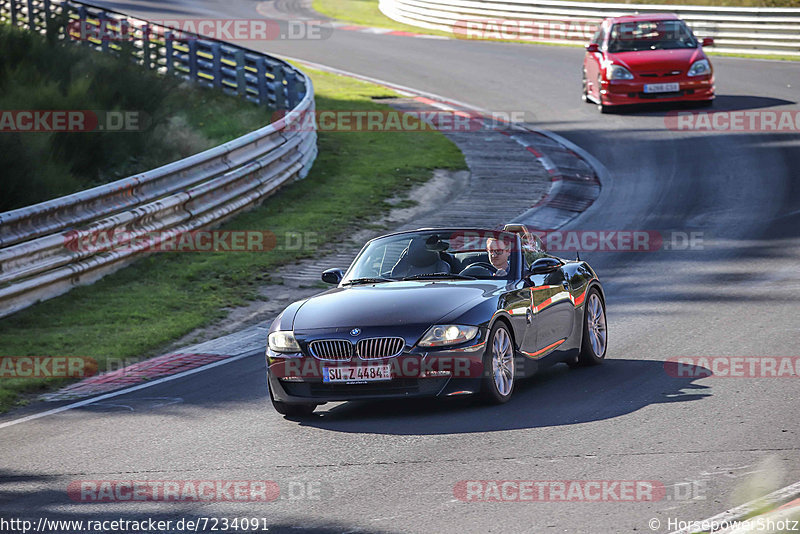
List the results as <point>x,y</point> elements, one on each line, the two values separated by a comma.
<point>380,347</point>
<point>335,350</point>
<point>663,74</point>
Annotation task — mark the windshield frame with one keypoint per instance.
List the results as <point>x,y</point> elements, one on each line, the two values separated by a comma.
<point>647,44</point>
<point>515,257</point>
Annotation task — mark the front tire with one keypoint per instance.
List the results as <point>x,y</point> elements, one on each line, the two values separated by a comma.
<point>291,410</point>
<point>602,108</point>
<point>498,365</point>
<point>585,93</point>
<point>595,333</point>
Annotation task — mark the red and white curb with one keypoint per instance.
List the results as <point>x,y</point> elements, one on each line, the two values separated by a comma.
<point>137,373</point>
<point>125,391</point>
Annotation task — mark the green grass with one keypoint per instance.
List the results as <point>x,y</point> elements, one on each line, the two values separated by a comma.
<point>137,311</point>
<point>37,73</point>
<point>366,13</point>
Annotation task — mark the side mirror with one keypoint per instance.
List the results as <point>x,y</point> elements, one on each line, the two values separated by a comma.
<point>708,41</point>
<point>592,47</point>
<point>545,266</point>
<point>332,276</point>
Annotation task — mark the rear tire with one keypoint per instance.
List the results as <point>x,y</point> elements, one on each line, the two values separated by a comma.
<point>498,365</point>
<point>291,410</point>
<point>595,334</point>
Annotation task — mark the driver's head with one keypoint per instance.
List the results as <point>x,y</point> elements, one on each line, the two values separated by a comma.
<point>499,252</point>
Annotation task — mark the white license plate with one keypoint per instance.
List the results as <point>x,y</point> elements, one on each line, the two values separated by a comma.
<point>366,373</point>
<point>662,87</point>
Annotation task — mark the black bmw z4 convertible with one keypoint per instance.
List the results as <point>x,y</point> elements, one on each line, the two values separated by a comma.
<point>436,312</point>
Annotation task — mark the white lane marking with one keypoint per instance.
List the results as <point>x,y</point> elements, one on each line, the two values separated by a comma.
<point>737,513</point>
<point>126,390</point>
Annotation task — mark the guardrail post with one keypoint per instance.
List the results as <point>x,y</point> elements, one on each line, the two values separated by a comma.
<point>241,79</point>
<point>216,68</point>
<point>146,46</point>
<point>82,24</point>
<point>168,53</point>
<point>102,20</point>
<point>280,88</point>
<point>31,17</point>
<point>46,4</point>
<point>261,81</point>
<point>291,89</point>
<point>13,12</point>
<point>192,58</point>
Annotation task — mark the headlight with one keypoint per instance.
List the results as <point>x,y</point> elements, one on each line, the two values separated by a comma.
<point>447,334</point>
<point>283,341</point>
<point>618,72</point>
<point>699,68</point>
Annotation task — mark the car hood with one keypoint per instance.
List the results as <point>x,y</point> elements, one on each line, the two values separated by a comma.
<point>391,304</point>
<point>658,60</point>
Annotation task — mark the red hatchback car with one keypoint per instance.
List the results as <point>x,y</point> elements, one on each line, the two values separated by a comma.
<point>639,59</point>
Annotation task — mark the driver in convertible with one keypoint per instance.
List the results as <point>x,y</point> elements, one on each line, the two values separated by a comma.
<point>499,251</point>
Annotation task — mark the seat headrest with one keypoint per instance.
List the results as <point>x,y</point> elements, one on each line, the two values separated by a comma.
<point>419,255</point>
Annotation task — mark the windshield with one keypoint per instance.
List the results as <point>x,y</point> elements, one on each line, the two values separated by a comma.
<point>650,35</point>
<point>445,254</point>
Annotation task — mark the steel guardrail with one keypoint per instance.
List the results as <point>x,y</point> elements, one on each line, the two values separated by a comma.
<point>738,30</point>
<point>37,260</point>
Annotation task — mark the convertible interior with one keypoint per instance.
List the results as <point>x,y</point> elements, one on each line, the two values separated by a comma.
<point>422,256</point>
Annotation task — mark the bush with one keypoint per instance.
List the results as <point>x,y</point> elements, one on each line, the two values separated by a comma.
<point>38,73</point>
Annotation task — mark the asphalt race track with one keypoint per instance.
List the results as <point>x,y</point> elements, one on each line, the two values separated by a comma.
<point>393,466</point>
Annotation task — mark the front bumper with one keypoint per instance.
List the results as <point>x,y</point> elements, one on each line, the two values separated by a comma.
<point>433,374</point>
<point>627,92</point>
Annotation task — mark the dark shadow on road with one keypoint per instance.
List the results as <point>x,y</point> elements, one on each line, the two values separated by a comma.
<point>557,396</point>
<point>721,103</point>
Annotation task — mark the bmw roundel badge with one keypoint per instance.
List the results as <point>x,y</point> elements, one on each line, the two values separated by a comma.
<point>355,331</point>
